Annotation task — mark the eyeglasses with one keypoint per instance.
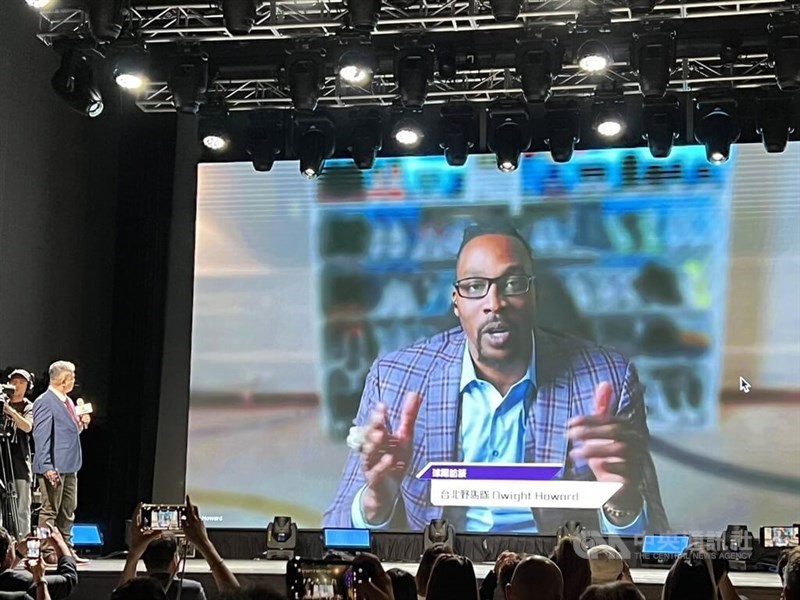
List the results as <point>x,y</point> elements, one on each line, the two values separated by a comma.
<point>508,285</point>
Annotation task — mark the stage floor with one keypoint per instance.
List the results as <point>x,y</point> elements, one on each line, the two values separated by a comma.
<point>98,578</point>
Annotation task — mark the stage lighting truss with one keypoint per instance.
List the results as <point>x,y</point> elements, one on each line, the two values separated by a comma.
<point>475,85</point>
<point>203,22</point>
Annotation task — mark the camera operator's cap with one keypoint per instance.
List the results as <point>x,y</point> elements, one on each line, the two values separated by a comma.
<point>22,373</point>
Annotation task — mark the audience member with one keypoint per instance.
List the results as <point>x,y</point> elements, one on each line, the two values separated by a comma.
<point>403,584</point>
<point>618,590</point>
<point>505,571</point>
<point>452,578</point>
<point>139,588</point>
<point>606,564</point>
<point>372,582</point>
<point>426,564</point>
<point>575,570</point>
<point>490,588</point>
<point>698,575</point>
<point>789,569</point>
<point>162,561</point>
<point>160,554</point>
<point>536,577</point>
<point>59,585</point>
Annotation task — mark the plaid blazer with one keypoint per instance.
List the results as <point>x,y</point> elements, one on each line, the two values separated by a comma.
<point>567,372</point>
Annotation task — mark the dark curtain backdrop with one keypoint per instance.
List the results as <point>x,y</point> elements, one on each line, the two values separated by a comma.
<point>84,223</point>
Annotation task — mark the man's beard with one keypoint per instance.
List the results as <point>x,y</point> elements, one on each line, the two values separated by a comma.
<point>498,362</point>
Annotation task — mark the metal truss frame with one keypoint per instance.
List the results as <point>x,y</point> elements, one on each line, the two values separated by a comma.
<point>201,22</point>
<point>478,85</point>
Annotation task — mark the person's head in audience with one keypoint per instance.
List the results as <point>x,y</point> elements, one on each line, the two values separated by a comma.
<point>7,550</point>
<point>403,584</point>
<point>452,578</point>
<point>574,567</point>
<point>605,564</point>
<point>789,569</point>
<point>504,568</point>
<point>161,555</point>
<point>695,575</point>
<point>426,564</point>
<point>139,588</point>
<point>256,592</point>
<point>536,577</point>
<point>619,590</point>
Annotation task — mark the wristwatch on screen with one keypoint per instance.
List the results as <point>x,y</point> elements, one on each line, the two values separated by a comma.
<point>623,509</point>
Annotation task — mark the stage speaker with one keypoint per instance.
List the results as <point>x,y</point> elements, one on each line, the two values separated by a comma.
<point>281,539</point>
<point>439,531</point>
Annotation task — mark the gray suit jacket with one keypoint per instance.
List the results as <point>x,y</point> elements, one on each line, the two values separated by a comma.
<point>56,436</point>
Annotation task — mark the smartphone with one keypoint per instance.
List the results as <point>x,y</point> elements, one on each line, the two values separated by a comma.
<point>163,517</point>
<point>34,549</point>
<point>41,533</point>
<point>780,536</point>
<point>313,579</point>
<point>84,409</point>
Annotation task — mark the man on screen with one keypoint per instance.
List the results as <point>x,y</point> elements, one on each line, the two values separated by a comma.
<point>498,389</point>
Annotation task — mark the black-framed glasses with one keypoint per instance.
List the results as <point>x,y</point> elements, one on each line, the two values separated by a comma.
<point>508,285</point>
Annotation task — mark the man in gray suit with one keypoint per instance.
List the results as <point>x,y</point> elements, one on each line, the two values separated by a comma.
<point>56,435</point>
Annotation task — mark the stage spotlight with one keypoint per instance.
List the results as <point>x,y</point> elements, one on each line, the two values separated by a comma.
<point>281,539</point>
<point>608,112</point>
<point>239,16</point>
<point>266,133</point>
<point>505,10</point>
<point>305,83</point>
<point>784,51</point>
<point>660,124</point>
<point>105,19</point>
<point>458,132</point>
<point>364,14</point>
<point>356,67</point>
<point>188,82</point>
<point>448,68</point>
<point>773,122</point>
<point>537,64</point>
<point>75,83</point>
<point>562,128</point>
<point>439,531</point>
<point>717,129</point>
<point>314,143</point>
<point>38,4</point>
<point>213,127</point>
<point>594,56</point>
<point>509,134</point>
<point>367,139</point>
<point>130,71</point>
<point>640,8</point>
<point>652,58</point>
<point>413,71</point>
<point>407,132</point>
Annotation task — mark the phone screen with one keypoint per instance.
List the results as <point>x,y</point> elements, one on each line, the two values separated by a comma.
<point>34,549</point>
<point>163,517</point>
<point>786,536</point>
<point>311,579</point>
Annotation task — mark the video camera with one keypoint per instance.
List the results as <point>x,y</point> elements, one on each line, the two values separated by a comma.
<point>5,390</point>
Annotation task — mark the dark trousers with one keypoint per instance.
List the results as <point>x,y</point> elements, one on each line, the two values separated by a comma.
<point>59,504</point>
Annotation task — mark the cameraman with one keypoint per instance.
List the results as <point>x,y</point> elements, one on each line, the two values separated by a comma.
<point>18,413</point>
<point>59,585</point>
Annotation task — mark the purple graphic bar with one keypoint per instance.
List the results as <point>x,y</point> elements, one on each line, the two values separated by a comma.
<point>490,472</point>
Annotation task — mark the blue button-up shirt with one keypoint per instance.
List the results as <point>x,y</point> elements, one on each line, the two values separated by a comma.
<point>493,431</point>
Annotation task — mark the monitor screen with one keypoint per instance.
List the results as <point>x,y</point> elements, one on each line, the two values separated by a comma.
<point>665,544</point>
<point>660,291</point>
<point>344,539</point>
<point>86,535</point>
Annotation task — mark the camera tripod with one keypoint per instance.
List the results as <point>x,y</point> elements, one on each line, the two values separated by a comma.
<point>8,488</point>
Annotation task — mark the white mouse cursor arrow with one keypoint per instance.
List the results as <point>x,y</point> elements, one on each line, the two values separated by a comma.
<point>744,386</point>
